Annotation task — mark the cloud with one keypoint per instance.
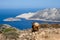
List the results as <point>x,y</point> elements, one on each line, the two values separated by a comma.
<point>11,19</point>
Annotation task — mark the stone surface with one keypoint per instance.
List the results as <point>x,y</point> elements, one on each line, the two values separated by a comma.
<point>42,34</point>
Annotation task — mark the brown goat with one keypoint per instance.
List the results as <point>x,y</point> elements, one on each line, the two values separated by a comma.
<point>35,26</point>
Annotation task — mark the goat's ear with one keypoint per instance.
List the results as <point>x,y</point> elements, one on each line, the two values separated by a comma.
<point>32,25</point>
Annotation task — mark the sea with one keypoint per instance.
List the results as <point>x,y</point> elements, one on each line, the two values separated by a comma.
<point>24,24</point>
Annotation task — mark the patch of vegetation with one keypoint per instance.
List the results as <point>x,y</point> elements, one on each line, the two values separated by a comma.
<point>9,33</point>
<point>8,29</point>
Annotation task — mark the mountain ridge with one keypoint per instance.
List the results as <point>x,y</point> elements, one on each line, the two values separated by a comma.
<point>51,14</point>
<point>48,14</point>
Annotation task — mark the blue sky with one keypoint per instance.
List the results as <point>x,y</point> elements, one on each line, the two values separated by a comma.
<point>9,4</point>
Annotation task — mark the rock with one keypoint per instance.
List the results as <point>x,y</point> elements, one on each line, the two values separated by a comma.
<point>41,34</point>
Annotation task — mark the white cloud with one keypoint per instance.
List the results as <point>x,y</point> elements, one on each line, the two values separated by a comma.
<point>11,19</point>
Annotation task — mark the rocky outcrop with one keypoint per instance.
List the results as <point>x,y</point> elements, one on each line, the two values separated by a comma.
<point>7,32</point>
<point>43,34</point>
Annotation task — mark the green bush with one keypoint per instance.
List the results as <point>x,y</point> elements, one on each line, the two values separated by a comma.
<point>8,29</point>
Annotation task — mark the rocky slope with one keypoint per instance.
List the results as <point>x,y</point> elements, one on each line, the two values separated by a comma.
<point>42,34</point>
<point>48,14</point>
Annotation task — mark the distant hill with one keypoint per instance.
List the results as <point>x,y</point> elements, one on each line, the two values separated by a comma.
<point>48,14</point>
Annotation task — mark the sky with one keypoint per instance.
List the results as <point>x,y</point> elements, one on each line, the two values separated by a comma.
<point>16,4</point>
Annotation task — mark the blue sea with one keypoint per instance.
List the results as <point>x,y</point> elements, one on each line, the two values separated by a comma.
<point>24,24</point>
